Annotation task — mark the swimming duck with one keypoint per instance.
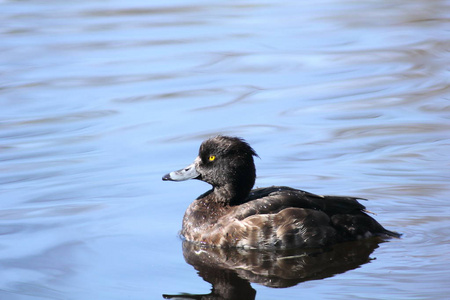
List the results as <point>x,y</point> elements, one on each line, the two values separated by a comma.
<point>231,214</point>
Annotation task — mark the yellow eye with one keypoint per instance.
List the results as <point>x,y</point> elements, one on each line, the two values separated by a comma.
<point>212,157</point>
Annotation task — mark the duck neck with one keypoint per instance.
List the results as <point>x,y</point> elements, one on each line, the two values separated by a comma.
<point>230,194</point>
<point>234,187</point>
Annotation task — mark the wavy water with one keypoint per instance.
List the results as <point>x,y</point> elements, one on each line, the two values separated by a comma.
<point>100,99</point>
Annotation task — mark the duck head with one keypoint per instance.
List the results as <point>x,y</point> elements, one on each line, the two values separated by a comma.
<point>224,162</point>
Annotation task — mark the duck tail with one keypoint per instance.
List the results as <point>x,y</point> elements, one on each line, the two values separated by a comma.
<point>392,233</point>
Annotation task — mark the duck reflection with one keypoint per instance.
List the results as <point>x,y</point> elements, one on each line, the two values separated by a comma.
<point>230,271</point>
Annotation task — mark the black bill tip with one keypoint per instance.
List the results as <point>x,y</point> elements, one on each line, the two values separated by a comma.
<point>167,177</point>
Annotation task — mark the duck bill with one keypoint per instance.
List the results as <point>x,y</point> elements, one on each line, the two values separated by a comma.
<point>184,174</point>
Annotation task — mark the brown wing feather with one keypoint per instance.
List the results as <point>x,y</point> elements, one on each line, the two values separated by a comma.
<point>274,199</point>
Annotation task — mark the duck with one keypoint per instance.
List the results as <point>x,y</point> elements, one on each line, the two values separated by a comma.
<point>234,215</point>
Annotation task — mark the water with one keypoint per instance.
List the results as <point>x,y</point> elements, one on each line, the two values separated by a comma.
<point>99,99</point>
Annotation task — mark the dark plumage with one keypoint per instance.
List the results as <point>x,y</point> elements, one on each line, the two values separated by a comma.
<point>233,215</point>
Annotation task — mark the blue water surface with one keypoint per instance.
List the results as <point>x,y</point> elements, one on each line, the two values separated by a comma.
<point>99,99</point>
